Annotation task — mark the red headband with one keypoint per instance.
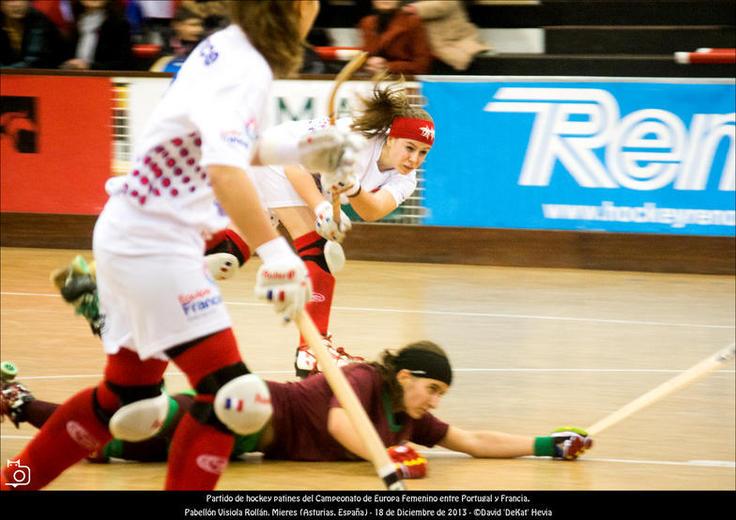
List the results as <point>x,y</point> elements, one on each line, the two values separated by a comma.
<point>410,128</point>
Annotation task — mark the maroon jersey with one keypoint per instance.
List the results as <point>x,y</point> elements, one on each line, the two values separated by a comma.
<point>300,417</point>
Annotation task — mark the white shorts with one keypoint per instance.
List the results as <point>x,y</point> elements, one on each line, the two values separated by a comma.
<point>274,187</point>
<point>152,303</point>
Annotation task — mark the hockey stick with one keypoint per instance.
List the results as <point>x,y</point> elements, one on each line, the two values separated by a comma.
<point>347,71</point>
<point>350,403</point>
<point>670,386</point>
<point>336,379</point>
<point>334,253</point>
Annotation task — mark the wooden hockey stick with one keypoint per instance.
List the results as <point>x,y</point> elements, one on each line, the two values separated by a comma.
<point>670,386</point>
<point>350,403</point>
<point>345,74</point>
<point>336,379</point>
<point>334,253</point>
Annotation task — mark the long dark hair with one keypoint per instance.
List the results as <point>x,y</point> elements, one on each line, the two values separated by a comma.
<point>386,366</point>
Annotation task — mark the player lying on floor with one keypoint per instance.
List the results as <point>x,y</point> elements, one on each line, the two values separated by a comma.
<point>308,424</point>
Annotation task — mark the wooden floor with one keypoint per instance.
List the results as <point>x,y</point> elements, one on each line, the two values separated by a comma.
<point>532,350</point>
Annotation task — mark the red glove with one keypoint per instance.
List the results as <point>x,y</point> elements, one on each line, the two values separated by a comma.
<point>570,442</point>
<point>409,464</point>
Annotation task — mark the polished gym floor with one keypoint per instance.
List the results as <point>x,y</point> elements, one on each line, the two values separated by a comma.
<point>532,350</point>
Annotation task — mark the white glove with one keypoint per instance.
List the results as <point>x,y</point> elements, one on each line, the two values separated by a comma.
<point>326,225</point>
<point>331,151</point>
<point>282,279</point>
<point>222,265</point>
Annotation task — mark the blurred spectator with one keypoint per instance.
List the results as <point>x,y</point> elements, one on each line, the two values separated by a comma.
<point>395,40</point>
<point>59,12</point>
<point>454,39</point>
<point>101,39</point>
<point>188,29</point>
<point>151,19</point>
<point>213,14</point>
<point>312,63</point>
<point>28,38</point>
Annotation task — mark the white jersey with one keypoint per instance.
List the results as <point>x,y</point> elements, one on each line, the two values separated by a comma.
<point>154,286</point>
<point>209,115</point>
<point>277,192</point>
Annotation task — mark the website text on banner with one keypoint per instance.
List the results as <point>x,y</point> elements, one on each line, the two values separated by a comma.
<point>633,157</point>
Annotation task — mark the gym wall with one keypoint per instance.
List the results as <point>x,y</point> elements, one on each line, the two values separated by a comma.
<point>543,172</point>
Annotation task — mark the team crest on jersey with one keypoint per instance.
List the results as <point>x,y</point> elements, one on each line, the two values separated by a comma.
<point>208,52</point>
<point>427,132</point>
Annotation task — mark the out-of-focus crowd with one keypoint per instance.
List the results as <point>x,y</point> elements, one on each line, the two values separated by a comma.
<point>402,37</point>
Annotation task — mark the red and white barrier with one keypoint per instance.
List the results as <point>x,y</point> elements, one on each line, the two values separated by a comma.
<point>338,53</point>
<point>707,55</point>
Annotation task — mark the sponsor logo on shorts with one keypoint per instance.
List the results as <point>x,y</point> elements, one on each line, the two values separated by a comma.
<point>199,302</point>
<point>317,297</point>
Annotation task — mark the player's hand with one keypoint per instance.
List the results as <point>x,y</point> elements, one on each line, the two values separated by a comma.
<point>285,283</point>
<point>330,151</point>
<point>326,225</point>
<point>570,442</point>
<point>222,265</point>
<point>409,464</point>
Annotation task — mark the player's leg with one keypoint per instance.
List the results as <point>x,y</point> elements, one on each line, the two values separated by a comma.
<point>310,246</point>
<point>176,310</point>
<point>230,400</point>
<point>80,425</point>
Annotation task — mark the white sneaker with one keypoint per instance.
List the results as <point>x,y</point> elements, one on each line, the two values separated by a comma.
<point>306,364</point>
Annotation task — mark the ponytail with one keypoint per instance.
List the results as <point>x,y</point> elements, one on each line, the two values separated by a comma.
<point>382,106</point>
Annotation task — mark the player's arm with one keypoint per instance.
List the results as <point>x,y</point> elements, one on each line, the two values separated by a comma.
<point>238,197</point>
<point>372,206</point>
<point>340,427</point>
<point>304,185</point>
<point>487,444</point>
<point>563,443</point>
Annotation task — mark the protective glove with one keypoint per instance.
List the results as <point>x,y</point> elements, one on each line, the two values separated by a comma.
<point>226,252</point>
<point>409,464</point>
<point>282,279</point>
<point>222,266</point>
<point>342,182</point>
<point>566,443</point>
<point>342,179</point>
<point>331,151</point>
<point>326,225</point>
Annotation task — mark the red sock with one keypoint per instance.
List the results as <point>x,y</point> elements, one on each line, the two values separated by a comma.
<point>311,249</point>
<point>126,369</point>
<point>199,453</point>
<point>70,434</point>
<point>74,430</point>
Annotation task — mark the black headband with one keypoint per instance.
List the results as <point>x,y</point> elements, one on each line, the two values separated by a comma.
<point>424,363</point>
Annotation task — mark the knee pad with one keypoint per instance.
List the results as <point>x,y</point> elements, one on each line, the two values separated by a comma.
<point>243,404</point>
<point>140,419</point>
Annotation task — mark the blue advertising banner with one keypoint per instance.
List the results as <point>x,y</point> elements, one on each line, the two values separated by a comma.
<point>643,156</point>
